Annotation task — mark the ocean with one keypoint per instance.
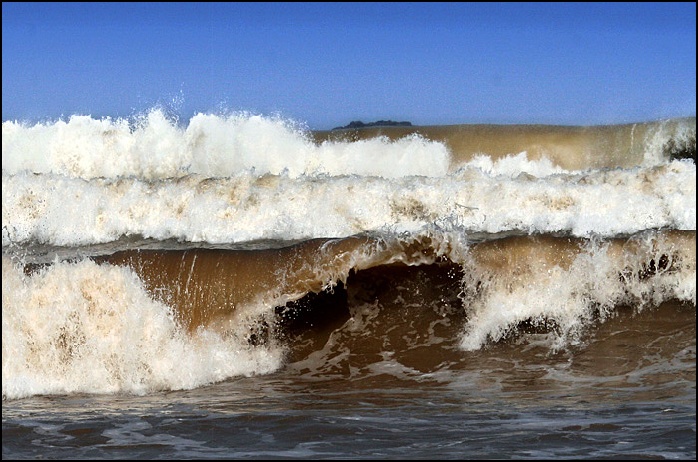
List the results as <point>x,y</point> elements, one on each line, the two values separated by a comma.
<point>240,286</point>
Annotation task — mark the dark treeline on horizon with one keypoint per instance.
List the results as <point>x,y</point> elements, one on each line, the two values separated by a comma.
<point>379,123</point>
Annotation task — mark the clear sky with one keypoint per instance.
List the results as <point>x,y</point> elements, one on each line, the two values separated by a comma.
<point>326,64</point>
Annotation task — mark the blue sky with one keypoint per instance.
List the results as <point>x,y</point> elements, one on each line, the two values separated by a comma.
<point>326,64</point>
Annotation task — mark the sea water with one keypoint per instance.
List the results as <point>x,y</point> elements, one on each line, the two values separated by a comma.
<point>238,286</point>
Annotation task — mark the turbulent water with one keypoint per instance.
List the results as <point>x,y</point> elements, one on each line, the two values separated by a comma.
<point>239,286</point>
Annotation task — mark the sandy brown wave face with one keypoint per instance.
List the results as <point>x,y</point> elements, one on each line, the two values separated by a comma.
<point>206,286</point>
<point>569,147</point>
<point>210,287</point>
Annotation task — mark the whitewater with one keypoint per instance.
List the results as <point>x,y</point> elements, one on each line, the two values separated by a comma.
<point>232,262</point>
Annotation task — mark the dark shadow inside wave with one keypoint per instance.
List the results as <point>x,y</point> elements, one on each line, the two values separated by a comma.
<point>680,149</point>
<point>320,312</point>
<point>389,306</point>
<point>402,321</point>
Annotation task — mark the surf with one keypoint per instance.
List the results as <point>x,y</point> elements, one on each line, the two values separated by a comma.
<point>245,306</point>
<point>147,255</point>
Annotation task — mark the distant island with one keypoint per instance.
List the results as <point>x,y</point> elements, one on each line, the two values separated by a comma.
<point>379,123</point>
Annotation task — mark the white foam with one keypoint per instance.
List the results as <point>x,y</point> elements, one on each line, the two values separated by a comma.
<point>65,211</point>
<point>80,327</point>
<point>514,165</point>
<point>599,279</point>
<point>211,145</point>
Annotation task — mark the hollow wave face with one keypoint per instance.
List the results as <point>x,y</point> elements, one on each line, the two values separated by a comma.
<point>196,316</point>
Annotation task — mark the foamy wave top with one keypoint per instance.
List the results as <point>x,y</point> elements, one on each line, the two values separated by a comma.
<point>210,146</point>
<point>56,210</point>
